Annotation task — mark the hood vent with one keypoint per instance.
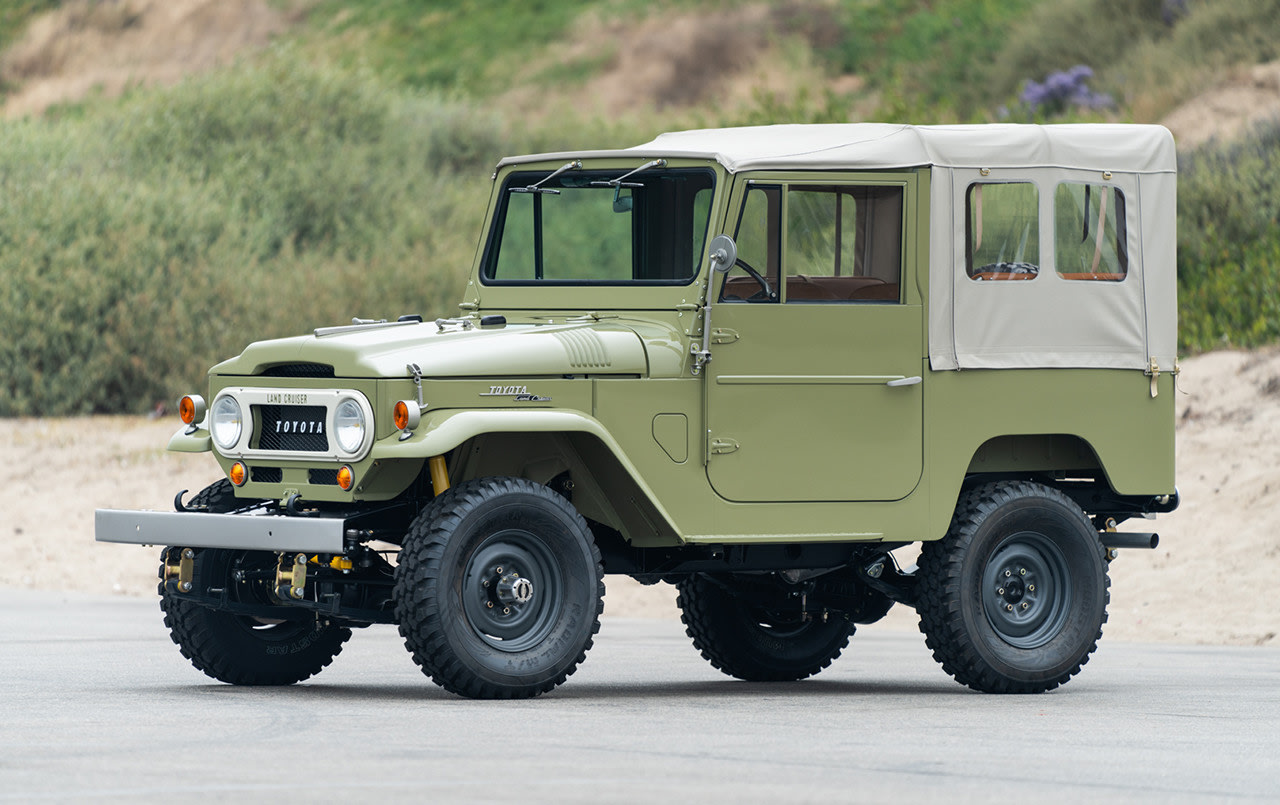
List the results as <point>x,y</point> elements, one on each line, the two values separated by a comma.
<point>298,370</point>
<point>585,349</point>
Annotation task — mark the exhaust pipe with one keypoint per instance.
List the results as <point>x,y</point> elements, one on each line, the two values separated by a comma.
<point>1118,539</point>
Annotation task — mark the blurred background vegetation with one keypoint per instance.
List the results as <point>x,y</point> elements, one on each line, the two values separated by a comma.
<point>155,223</point>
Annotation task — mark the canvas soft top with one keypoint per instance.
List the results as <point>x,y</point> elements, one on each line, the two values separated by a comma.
<point>1050,323</point>
<point>872,146</point>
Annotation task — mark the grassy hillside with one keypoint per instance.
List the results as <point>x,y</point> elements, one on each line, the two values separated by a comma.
<point>344,170</point>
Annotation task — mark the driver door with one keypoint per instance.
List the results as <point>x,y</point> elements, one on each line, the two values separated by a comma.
<point>815,389</point>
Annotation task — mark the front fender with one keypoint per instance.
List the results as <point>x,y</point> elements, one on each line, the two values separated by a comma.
<point>444,430</point>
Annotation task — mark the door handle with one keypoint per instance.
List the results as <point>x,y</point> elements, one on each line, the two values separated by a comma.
<point>904,381</point>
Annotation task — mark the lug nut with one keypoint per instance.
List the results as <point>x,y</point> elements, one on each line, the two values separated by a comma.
<point>1031,588</point>
<point>1009,607</point>
<point>498,570</point>
<point>1008,573</point>
<point>489,604</point>
<point>1022,571</point>
<point>1000,591</point>
<point>1024,604</point>
<point>506,610</point>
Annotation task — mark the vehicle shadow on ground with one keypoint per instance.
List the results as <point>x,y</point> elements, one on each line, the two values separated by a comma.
<point>590,691</point>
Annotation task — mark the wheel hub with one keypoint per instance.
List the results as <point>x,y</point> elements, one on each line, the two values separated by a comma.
<point>1024,592</point>
<point>512,588</point>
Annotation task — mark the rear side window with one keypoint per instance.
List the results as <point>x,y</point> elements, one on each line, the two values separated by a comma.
<point>1002,240</point>
<point>1089,239</point>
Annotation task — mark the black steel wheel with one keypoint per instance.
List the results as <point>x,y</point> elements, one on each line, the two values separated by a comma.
<point>499,589</point>
<point>747,640</point>
<point>241,649</point>
<point>1013,598</point>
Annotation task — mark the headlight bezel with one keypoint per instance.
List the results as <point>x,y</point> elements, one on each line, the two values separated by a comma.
<point>219,428</point>
<point>362,430</point>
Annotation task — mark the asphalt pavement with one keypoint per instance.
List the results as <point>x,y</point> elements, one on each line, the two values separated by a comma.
<point>96,704</point>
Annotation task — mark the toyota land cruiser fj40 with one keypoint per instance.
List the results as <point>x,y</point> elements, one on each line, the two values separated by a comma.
<point>748,362</point>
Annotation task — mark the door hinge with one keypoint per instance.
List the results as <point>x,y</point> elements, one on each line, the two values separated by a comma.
<point>721,446</point>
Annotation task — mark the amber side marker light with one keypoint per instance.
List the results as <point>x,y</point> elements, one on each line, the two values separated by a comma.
<point>346,478</point>
<point>191,409</point>
<point>406,415</point>
<point>238,474</point>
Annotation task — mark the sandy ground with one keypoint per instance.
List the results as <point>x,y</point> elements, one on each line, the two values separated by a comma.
<point>1210,581</point>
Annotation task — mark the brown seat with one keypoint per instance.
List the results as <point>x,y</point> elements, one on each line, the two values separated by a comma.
<point>884,292</point>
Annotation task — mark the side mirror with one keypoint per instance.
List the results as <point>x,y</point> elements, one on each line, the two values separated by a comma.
<point>724,253</point>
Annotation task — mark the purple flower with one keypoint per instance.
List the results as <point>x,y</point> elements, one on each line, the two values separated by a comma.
<point>1062,90</point>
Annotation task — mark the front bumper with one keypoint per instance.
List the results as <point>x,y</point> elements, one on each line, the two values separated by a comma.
<point>252,532</point>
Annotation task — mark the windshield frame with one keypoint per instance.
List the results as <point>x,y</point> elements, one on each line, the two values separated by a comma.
<point>520,177</point>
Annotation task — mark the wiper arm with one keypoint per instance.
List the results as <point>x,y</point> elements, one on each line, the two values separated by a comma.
<point>619,182</point>
<point>537,187</point>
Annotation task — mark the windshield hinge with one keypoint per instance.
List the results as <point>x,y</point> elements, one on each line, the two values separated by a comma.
<point>415,372</point>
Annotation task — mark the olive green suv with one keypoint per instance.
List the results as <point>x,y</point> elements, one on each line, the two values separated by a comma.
<point>752,363</point>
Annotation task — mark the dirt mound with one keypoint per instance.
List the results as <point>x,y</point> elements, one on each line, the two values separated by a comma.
<point>106,46</point>
<point>717,59</point>
<point>1249,97</point>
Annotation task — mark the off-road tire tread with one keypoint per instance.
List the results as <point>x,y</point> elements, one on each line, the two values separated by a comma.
<point>193,628</point>
<point>417,581</point>
<point>700,613</point>
<point>938,581</point>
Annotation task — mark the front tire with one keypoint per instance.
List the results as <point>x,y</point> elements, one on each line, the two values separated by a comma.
<point>1013,598</point>
<point>747,641</point>
<point>499,589</point>
<point>240,649</point>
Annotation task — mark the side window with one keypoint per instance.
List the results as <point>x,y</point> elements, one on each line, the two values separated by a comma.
<point>1089,238</point>
<point>1002,239</point>
<point>844,244</point>
<point>758,242</point>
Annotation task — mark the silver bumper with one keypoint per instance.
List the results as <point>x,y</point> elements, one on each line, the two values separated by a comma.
<point>240,531</point>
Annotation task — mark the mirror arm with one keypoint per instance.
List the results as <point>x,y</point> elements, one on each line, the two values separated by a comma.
<point>724,253</point>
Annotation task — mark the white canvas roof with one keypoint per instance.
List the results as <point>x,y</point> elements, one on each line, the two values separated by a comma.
<point>1051,322</point>
<point>868,146</point>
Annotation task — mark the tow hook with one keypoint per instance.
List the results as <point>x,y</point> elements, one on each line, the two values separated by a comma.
<point>291,576</point>
<point>179,567</point>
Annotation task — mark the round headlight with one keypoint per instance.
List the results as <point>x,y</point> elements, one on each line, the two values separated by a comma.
<point>225,422</point>
<point>349,426</point>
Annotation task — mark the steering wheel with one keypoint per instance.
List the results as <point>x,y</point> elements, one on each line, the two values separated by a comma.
<point>755,275</point>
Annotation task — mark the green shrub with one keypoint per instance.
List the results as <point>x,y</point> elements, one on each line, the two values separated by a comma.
<point>143,242</point>
<point>1229,242</point>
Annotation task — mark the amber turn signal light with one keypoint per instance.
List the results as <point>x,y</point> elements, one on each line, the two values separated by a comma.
<point>239,474</point>
<point>406,415</point>
<point>346,478</point>
<point>191,409</point>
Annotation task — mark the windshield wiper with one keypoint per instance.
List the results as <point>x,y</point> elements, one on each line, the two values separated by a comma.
<point>619,182</point>
<point>537,187</point>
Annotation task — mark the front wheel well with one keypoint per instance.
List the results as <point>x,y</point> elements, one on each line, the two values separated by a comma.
<point>578,465</point>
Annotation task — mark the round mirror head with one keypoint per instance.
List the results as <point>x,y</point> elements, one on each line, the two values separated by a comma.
<point>723,253</point>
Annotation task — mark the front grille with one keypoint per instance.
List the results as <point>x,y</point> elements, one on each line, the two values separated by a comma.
<point>291,427</point>
<point>323,477</point>
<point>298,370</point>
<point>266,475</point>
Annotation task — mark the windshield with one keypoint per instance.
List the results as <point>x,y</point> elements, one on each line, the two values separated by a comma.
<point>584,227</point>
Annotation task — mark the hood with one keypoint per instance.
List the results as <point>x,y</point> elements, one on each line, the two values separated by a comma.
<point>512,350</point>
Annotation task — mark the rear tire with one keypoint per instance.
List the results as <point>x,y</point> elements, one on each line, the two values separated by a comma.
<point>1013,598</point>
<point>745,641</point>
<point>239,649</point>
